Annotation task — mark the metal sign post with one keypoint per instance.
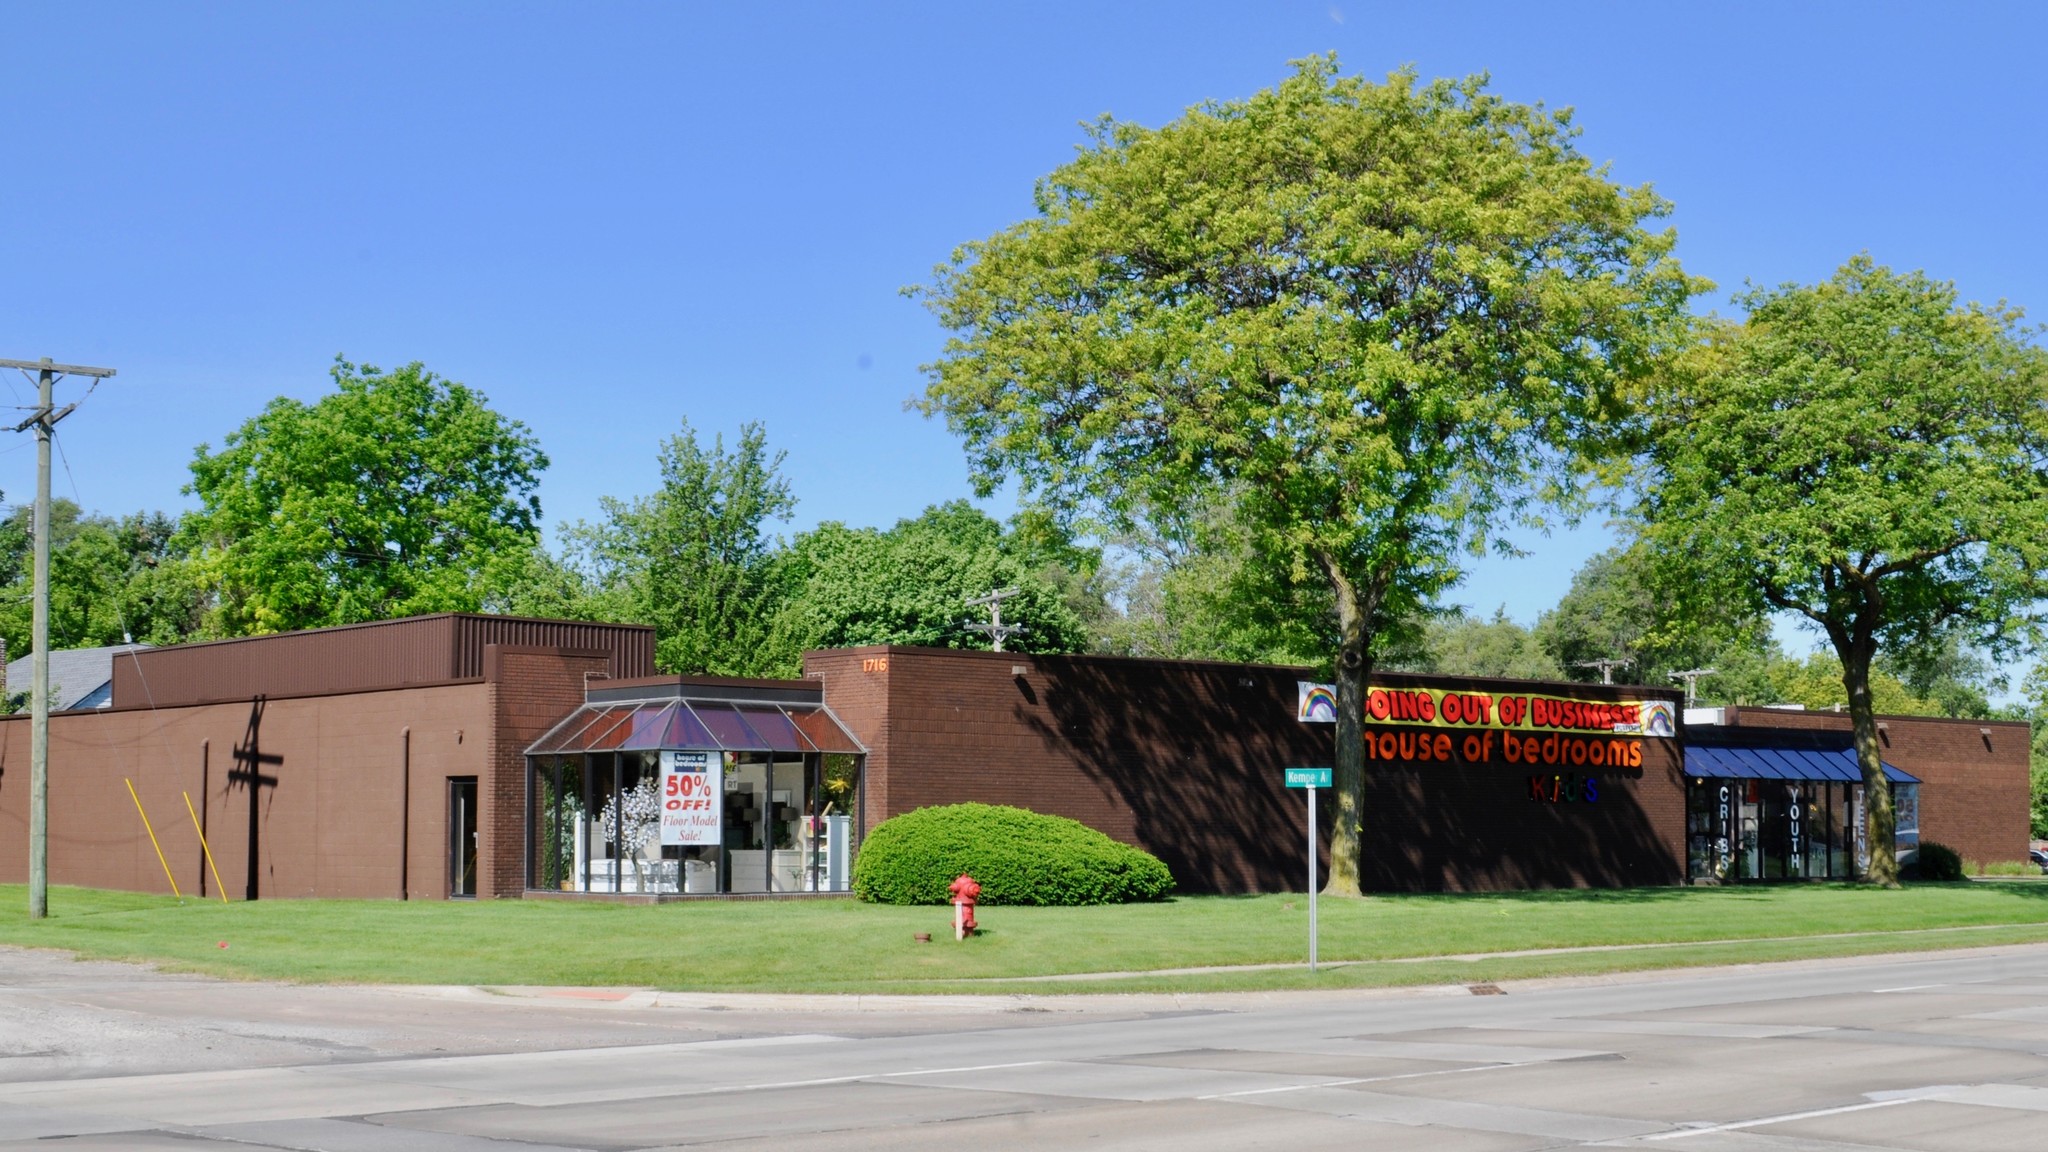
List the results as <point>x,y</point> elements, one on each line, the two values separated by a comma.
<point>1310,779</point>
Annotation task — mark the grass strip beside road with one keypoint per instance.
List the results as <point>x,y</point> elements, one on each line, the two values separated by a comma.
<point>841,946</point>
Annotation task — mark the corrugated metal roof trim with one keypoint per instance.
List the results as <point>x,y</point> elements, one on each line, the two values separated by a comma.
<point>719,724</point>
<point>1799,764</point>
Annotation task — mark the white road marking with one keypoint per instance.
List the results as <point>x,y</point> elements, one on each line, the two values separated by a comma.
<point>1359,1080</point>
<point>949,1071</point>
<point>1785,1119</point>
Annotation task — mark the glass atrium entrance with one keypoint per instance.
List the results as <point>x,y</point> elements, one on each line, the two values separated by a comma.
<point>694,796</point>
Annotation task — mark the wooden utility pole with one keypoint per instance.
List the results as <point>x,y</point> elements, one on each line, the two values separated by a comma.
<point>1691,677</point>
<point>44,421</point>
<point>995,629</point>
<point>1606,667</point>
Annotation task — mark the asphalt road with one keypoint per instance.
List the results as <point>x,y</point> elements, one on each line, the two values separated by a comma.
<point>1934,1052</point>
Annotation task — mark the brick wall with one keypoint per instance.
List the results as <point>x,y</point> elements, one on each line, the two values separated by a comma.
<point>1477,827</point>
<point>328,826</point>
<point>858,690</point>
<point>1974,791</point>
<point>530,690</point>
<point>1185,760</point>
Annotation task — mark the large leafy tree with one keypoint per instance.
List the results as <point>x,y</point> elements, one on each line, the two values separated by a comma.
<point>1458,643</point>
<point>1614,610</point>
<point>397,493</point>
<point>1871,455</point>
<point>692,558</point>
<point>112,579</point>
<point>1189,587</point>
<point>1381,317</point>
<point>842,586</point>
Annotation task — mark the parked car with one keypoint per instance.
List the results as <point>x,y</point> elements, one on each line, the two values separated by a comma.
<point>2040,859</point>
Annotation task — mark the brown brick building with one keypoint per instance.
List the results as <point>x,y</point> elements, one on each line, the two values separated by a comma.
<point>1185,759</point>
<point>458,755</point>
<point>342,762</point>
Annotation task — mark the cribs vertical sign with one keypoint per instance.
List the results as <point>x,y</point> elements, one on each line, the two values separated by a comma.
<point>691,797</point>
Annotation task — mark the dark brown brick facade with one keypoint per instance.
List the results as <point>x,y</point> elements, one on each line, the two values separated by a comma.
<point>1182,758</point>
<point>1975,791</point>
<point>531,689</point>
<point>1185,759</point>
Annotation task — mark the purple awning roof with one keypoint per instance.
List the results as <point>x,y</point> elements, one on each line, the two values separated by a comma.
<point>697,724</point>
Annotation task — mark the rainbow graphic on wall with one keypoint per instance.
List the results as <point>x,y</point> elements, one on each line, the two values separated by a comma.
<point>1657,719</point>
<point>1316,703</point>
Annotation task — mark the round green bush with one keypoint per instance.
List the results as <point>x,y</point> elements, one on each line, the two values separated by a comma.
<point>1939,862</point>
<point>1018,857</point>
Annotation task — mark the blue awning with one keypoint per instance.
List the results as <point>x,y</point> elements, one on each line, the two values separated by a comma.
<point>1763,763</point>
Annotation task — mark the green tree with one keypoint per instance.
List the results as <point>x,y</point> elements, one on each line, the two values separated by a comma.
<point>1383,318</point>
<point>1815,683</point>
<point>692,558</point>
<point>1459,644</point>
<point>1613,611</point>
<point>1866,453</point>
<point>843,587</point>
<point>1945,672</point>
<point>112,579</point>
<point>1190,588</point>
<point>397,494</point>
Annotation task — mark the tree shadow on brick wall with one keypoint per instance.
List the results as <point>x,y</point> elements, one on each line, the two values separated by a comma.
<point>1196,753</point>
<point>1483,827</point>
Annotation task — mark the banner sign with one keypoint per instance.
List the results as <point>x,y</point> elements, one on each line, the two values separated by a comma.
<point>1438,708</point>
<point>692,797</point>
<point>1315,703</point>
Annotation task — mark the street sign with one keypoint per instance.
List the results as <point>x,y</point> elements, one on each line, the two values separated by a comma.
<point>1311,779</point>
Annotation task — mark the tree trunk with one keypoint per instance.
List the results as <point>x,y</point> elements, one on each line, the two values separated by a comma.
<point>1880,825</point>
<point>1353,665</point>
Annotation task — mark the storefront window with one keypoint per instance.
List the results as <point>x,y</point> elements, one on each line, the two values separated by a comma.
<point>1747,829</point>
<point>1710,811</point>
<point>786,824</point>
<point>765,797</point>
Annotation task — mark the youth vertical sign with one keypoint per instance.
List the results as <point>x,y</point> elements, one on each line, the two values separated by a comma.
<point>692,797</point>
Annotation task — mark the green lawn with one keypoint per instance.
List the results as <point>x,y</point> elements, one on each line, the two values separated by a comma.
<point>842,946</point>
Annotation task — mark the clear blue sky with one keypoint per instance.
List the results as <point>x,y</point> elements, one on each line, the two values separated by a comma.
<point>612,217</point>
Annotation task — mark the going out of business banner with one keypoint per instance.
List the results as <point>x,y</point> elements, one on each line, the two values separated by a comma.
<point>1531,712</point>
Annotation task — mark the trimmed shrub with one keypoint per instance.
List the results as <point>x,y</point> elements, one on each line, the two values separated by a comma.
<point>1018,857</point>
<point>1939,862</point>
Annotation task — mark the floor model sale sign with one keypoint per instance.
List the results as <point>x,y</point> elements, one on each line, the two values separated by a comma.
<point>691,793</point>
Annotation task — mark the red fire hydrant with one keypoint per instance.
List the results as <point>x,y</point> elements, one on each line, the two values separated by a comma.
<point>965,892</point>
